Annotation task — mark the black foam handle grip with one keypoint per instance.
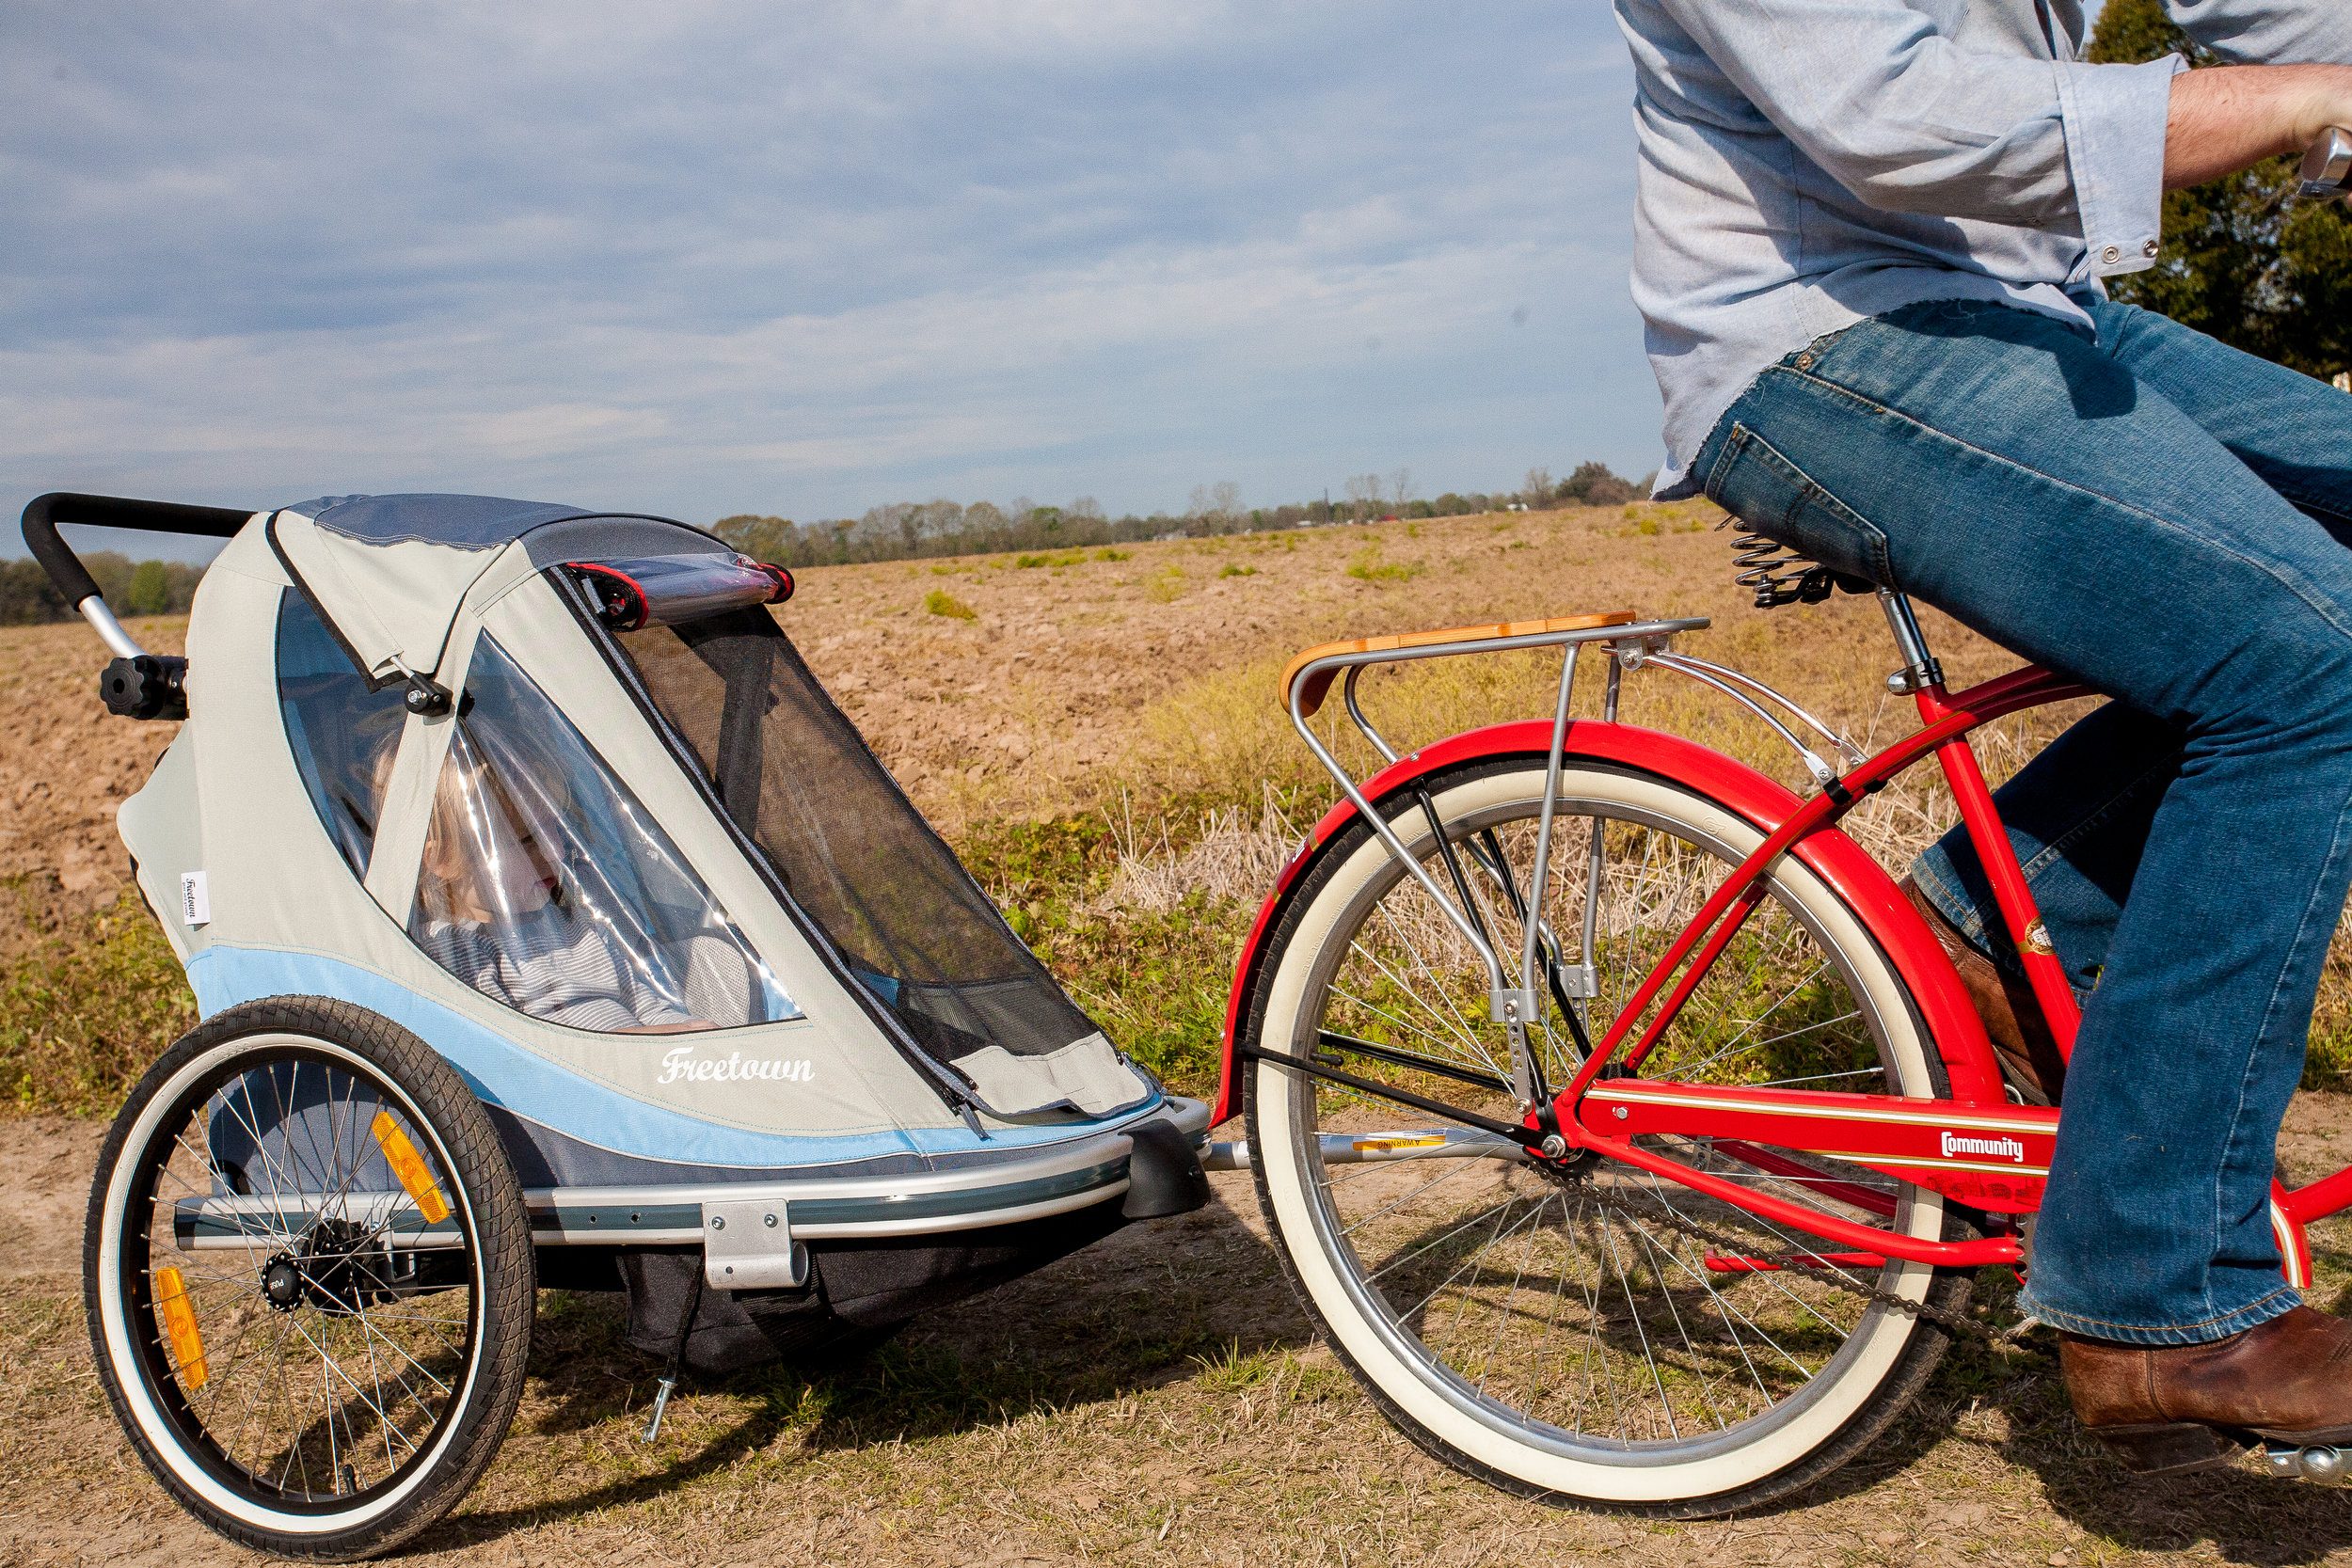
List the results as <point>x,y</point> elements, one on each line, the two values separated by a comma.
<point>65,568</point>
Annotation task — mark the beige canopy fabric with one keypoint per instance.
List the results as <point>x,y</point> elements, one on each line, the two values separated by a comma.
<point>388,572</point>
<point>283,913</point>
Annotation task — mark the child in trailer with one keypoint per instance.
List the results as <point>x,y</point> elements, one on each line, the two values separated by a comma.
<point>545,885</point>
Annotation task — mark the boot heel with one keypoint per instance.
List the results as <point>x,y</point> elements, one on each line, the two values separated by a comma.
<point>2169,1448</point>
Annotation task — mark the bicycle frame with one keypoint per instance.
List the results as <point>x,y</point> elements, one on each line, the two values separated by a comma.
<point>1975,1147</point>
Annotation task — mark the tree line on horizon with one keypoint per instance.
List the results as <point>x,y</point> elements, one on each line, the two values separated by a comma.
<point>129,587</point>
<point>906,531</point>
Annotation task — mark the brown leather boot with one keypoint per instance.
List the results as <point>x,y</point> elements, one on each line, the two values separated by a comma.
<point>2012,1019</point>
<point>2170,1409</point>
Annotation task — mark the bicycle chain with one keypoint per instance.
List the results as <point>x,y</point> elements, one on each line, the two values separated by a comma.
<point>1953,1323</point>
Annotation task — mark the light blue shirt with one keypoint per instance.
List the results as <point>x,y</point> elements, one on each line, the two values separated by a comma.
<point>1806,163</point>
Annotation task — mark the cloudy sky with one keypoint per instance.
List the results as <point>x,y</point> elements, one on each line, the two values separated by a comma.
<point>701,258</point>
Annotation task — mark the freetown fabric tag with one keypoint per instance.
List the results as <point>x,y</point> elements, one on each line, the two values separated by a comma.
<point>195,901</point>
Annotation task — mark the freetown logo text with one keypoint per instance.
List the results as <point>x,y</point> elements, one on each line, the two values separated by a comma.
<point>681,1066</point>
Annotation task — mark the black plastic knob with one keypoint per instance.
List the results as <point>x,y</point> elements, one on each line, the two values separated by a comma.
<point>152,686</point>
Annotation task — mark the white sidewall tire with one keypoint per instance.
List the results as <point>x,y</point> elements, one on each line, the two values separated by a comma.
<point>1408,1382</point>
<point>161,1436</point>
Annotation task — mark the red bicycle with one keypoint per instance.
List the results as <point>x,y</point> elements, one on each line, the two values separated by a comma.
<point>1716,1142</point>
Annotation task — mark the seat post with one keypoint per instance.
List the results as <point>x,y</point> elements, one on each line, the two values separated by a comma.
<point>1921,670</point>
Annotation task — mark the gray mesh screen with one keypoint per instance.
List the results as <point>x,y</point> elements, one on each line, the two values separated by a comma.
<point>795,775</point>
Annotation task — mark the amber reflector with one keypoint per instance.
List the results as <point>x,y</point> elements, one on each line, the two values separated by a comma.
<point>409,1166</point>
<point>179,1315</point>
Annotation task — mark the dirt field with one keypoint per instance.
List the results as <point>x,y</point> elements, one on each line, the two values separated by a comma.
<point>1063,690</point>
<point>1156,1398</point>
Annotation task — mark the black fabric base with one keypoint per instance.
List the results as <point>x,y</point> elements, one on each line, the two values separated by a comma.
<point>578,1267</point>
<point>874,1283</point>
<point>724,1338</point>
<point>859,1293</point>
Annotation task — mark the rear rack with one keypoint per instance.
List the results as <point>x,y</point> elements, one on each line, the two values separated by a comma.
<point>1630,644</point>
<point>1630,641</point>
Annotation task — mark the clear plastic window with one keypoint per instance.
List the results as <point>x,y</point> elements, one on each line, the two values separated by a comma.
<point>342,734</point>
<point>546,885</point>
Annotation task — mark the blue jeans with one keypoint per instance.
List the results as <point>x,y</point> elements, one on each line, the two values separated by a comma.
<point>2166,520</point>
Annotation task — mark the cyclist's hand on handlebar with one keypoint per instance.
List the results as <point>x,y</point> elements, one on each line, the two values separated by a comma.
<point>2225,118</point>
<point>2327,173</point>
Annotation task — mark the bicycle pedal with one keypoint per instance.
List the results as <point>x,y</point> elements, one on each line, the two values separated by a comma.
<point>2320,1462</point>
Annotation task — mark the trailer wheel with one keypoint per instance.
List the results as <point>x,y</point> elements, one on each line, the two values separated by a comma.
<point>309,1278</point>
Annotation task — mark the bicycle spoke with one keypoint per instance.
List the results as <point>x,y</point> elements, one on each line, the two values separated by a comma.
<point>1503,1313</point>
<point>1450,1017</point>
<point>1559,1298</point>
<point>1650,1246</point>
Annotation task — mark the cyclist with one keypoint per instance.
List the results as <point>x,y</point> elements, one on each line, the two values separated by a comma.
<point>1870,240</point>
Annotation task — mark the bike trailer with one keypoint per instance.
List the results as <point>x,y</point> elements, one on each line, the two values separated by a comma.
<point>539,903</point>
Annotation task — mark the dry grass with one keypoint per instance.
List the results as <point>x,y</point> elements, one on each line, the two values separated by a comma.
<point>1154,1399</point>
<point>1226,857</point>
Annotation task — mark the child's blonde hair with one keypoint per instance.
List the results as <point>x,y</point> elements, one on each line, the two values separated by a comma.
<point>447,874</point>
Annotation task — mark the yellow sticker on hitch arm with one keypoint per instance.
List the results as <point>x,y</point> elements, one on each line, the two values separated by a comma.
<point>409,1166</point>
<point>179,1315</point>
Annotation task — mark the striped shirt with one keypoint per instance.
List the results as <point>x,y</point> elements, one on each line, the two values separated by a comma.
<point>561,965</point>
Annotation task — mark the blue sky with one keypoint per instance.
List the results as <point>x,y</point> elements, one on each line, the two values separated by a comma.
<point>697,259</point>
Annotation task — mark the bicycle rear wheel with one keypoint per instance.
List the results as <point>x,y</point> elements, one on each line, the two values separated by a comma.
<point>1599,1335</point>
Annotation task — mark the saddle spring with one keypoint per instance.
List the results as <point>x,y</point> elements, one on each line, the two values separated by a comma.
<point>1779,574</point>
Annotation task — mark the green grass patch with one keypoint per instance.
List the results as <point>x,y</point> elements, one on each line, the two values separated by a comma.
<point>1231,1370</point>
<point>1368,567</point>
<point>1156,981</point>
<point>940,602</point>
<point>87,1007</point>
<point>1109,554</point>
<point>1066,558</point>
<point>1239,571</point>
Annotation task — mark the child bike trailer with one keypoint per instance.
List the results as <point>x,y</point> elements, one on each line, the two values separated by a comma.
<point>549,926</point>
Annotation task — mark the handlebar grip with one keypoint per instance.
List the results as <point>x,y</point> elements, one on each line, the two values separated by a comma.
<point>2327,166</point>
<point>65,568</point>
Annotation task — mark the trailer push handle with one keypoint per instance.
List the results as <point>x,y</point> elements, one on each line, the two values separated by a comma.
<point>138,684</point>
